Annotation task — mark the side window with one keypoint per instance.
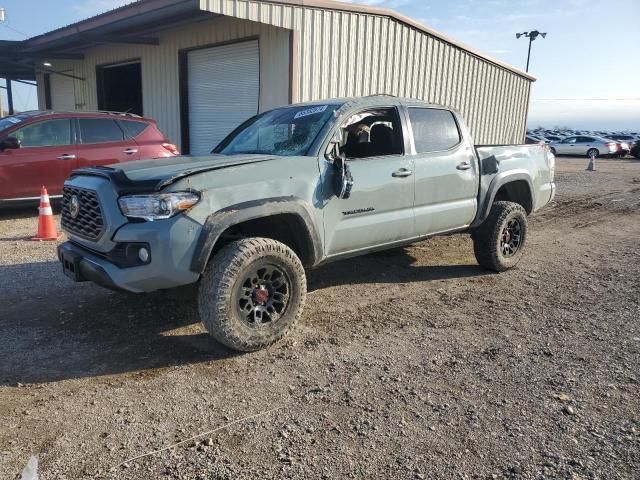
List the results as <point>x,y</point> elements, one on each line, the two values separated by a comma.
<point>99,130</point>
<point>133,128</point>
<point>434,129</point>
<point>569,140</point>
<point>372,133</point>
<point>45,134</point>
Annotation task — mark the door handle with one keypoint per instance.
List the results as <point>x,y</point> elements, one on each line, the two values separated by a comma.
<point>67,156</point>
<point>130,151</point>
<point>401,173</point>
<point>464,166</point>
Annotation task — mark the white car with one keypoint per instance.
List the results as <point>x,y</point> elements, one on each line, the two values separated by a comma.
<point>581,145</point>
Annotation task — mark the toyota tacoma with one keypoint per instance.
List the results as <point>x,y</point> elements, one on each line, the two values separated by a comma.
<point>293,188</point>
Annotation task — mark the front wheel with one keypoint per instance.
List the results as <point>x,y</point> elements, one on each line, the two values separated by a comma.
<point>499,242</point>
<point>252,293</point>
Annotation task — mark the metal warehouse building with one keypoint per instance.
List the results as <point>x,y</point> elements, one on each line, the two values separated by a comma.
<point>200,67</point>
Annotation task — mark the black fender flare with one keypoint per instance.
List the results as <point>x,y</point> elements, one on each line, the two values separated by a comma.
<point>221,220</point>
<point>496,184</point>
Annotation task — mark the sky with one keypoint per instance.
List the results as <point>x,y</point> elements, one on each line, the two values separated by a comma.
<point>587,68</point>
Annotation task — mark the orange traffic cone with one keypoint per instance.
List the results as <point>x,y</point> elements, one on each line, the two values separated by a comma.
<point>46,225</point>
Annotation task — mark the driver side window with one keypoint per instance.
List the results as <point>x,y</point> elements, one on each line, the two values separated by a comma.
<point>372,133</point>
<point>45,134</point>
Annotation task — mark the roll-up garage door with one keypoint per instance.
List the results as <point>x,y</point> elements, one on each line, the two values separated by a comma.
<point>63,97</point>
<point>223,91</point>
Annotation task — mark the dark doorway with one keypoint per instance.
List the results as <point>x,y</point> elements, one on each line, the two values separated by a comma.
<point>120,87</point>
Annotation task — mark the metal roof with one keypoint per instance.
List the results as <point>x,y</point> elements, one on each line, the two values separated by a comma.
<point>137,21</point>
<point>134,23</point>
<point>13,65</point>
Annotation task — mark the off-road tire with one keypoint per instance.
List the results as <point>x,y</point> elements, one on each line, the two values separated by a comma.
<point>216,298</point>
<point>487,238</point>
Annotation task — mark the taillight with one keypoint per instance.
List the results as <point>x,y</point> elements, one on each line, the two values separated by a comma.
<point>551,163</point>
<point>171,148</point>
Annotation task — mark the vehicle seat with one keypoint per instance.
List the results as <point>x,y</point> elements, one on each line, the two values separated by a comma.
<point>355,146</point>
<point>382,141</point>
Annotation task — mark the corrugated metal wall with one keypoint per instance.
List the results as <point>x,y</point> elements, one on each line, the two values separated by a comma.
<point>160,74</point>
<point>347,53</point>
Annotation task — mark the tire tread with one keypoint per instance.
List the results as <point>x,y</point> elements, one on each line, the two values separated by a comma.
<point>214,296</point>
<point>486,239</point>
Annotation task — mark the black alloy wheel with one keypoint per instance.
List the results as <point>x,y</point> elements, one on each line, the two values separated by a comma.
<point>511,238</point>
<point>263,296</point>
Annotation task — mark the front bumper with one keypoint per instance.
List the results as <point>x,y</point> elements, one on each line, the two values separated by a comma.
<point>171,244</point>
<point>80,267</point>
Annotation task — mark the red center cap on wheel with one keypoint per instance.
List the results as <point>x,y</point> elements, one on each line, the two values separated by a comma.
<point>260,295</point>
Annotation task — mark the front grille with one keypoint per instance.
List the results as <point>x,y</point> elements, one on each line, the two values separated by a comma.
<point>88,223</point>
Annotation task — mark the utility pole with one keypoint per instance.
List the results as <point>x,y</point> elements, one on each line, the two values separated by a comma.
<point>532,36</point>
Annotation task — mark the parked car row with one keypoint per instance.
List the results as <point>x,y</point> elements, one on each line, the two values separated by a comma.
<point>574,142</point>
<point>43,147</point>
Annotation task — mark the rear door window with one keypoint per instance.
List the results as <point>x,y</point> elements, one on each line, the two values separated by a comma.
<point>47,133</point>
<point>434,129</point>
<point>133,128</point>
<point>99,130</point>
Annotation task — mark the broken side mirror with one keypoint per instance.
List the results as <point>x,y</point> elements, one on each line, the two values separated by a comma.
<point>9,143</point>
<point>333,149</point>
<point>342,180</point>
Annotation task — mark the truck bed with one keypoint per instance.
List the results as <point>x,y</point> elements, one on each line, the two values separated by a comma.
<point>534,162</point>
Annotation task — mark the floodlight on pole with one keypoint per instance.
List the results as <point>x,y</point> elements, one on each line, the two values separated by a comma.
<point>532,35</point>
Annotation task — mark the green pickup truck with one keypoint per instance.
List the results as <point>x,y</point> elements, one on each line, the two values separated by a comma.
<point>293,188</point>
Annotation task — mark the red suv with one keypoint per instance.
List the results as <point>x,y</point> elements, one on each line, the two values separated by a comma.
<point>42,148</point>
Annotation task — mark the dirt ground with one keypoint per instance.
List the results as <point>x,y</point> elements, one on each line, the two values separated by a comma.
<point>413,363</point>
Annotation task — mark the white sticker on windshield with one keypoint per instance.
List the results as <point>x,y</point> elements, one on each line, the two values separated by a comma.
<point>311,111</point>
<point>14,120</point>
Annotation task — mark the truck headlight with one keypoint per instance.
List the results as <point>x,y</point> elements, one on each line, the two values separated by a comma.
<point>157,206</point>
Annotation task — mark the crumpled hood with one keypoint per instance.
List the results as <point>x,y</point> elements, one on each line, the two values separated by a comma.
<point>156,174</point>
<point>184,165</point>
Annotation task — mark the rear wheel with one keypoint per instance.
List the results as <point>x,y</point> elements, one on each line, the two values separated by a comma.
<point>593,152</point>
<point>499,242</point>
<point>252,293</point>
<point>553,150</point>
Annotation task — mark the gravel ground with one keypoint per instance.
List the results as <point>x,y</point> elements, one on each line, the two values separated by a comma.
<point>408,364</point>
